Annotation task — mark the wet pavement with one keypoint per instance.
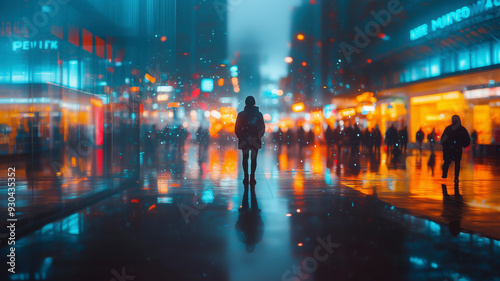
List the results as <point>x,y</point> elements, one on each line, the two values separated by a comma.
<point>311,216</point>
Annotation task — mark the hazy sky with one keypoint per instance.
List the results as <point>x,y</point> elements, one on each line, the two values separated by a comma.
<point>263,26</point>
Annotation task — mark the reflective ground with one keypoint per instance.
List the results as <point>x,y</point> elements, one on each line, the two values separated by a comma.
<point>311,216</point>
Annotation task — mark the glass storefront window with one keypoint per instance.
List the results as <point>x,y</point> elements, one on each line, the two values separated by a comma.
<point>480,55</point>
<point>463,60</point>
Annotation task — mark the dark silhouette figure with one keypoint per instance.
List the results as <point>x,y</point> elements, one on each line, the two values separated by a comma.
<point>338,136</point>
<point>355,140</point>
<point>249,129</point>
<point>403,139</point>
<point>453,208</point>
<point>203,138</point>
<point>377,139</point>
<point>391,139</point>
<point>431,164</point>
<point>249,227</point>
<point>431,138</point>
<point>454,138</point>
<point>420,138</point>
<point>473,138</point>
<point>301,136</point>
<point>310,137</point>
<point>329,138</point>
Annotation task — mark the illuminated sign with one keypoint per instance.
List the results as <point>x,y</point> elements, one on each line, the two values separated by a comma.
<point>161,89</point>
<point>329,110</point>
<point>435,98</point>
<point>453,17</point>
<point>298,107</point>
<point>37,45</point>
<point>207,85</point>
<point>348,112</point>
<point>482,93</point>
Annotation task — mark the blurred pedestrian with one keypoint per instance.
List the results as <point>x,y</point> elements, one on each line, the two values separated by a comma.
<point>420,138</point>
<point>355,140</point>
<point>473,138</point>
<point>310,137</point>
<point>403,139</point>
<point>329,139</point>
<point>391,139</point>
<point>377,139</point>
<point>454,138</point>
<point>431,138</point>
<point>249,129</point>
<point>301,136</point>
<point>338,138</point>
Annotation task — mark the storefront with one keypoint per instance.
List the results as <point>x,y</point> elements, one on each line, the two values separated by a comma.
<point>434,112</point>
<point>485,107</point>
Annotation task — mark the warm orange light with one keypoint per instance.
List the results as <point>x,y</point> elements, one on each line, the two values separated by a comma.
<point>300,244</point>
<point>152,207</point>
<point>298,107</point>
<point>237,90</point>
<point>279,92</point>
<point>304,63</point>
<point>267,117</point>
<point>134,89</point>
<point>348,112</point>
<point>288,59</point>
<point>317,117</point>
<point>174,104</point>
<point>150,78</point>
<point>162,97</point>
<point>96,102</point>
<point>220,82</point>
<point>163,38</point>
<point>288,215</point>
<point>300,37</point>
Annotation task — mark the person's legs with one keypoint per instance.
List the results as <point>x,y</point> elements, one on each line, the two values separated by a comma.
<point>254,165</point>
<point>446,165</point>
<point>457,169</point>
<point>245,164</point>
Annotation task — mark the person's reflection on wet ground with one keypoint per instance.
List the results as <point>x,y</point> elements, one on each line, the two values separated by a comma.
<point>453,209</point>
<point>431,164</point>
<point>249,227</point>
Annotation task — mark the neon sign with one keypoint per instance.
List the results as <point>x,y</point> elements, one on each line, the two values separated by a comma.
<point>37,45</point>
<point>453,17</point>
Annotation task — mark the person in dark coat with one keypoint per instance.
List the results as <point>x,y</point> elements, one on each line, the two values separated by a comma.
<point>249,129</point>
<point>473,138</point>
<point>329,139</point>
<point>431,138</point>
<point>301,136</point>
<point>391,139</point>
<point>403,139</point>
<point>377,139</point>
<point>420,138</point>
<point>454,138</point>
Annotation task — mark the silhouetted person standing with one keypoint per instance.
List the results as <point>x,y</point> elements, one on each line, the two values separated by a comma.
<point>377,139</point>
<point>420,138</point>
<point>431,138</point>
<point>403,139</point>
<point>454,138</point>
<point>473,138</point>
<point>249,129</point>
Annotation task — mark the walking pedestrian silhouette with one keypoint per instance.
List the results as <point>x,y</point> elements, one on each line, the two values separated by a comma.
<point>249,129</point>
<point>454,138</point>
